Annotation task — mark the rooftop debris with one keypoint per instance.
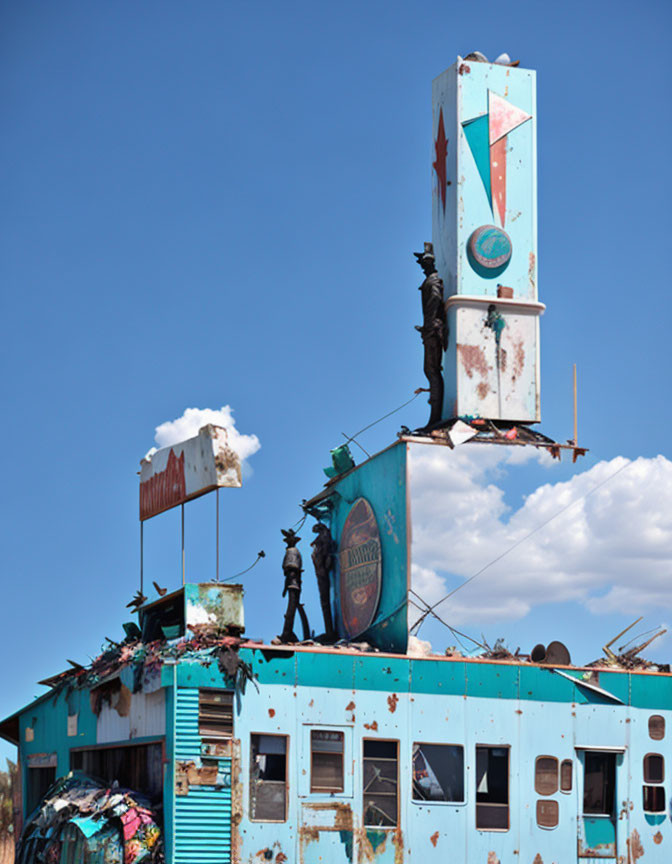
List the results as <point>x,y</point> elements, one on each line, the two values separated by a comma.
<point>83,817</point>
<point>481,431</point>
<point>206,645</point>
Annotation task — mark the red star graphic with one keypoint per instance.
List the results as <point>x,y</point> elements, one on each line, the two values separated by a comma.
<point>439,164</point>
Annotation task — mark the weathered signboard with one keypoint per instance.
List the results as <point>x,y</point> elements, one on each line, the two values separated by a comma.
<point>360,568</point>
<point>183,471</point>
<point>484,232</point>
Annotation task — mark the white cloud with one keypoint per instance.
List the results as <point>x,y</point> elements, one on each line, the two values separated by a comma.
<point>187,426</point>
<point>611,551</point>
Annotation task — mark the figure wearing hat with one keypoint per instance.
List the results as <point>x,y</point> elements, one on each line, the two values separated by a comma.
<point>434,330</point>
<point>292,567</point>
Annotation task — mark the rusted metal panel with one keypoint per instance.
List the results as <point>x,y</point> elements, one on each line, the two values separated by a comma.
<point>183,471</point>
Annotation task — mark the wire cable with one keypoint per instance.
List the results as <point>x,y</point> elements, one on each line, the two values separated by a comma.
<point>385,416</point>
<point>261,554</point>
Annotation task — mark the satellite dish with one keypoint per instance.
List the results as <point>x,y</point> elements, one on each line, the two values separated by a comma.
<point>557,654</point>
<point>538,654</point>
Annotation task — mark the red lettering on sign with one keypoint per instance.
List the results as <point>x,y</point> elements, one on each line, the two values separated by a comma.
<point>165,489</point>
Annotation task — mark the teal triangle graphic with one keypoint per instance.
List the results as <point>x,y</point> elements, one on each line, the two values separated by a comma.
<point>476,133</point>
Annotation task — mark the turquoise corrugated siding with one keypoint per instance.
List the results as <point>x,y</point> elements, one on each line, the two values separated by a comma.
<point>203,817</point>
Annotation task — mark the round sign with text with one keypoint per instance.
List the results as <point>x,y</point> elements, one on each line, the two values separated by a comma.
<point>360,562</point>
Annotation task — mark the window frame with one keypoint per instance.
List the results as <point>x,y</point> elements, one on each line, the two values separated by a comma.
<point>397,796</point>
<point>569,762</point>
<point>323,790</point>
<point>209,737</point>
<point>653,784</point>
<point>251,782</point>
<point>423,802</point>
<point>541,802</point>
<point>506,747</point>
<point>658,720</point>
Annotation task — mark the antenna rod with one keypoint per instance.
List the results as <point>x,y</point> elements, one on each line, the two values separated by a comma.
<point>217,535</point>
<point>576,433</point>
<point>182,544</point>
<point>142,554</point>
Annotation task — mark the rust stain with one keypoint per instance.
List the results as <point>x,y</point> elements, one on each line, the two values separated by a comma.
<point>657,838</point>
<point>482,389</point>
<point>398,843</point>
<point>392,703</point>
<point>492,858</point>
<point>635,848</point>
<point>308,834</point>
<point>463,69</point>
<point>473,360</point>
<point>280,857</point>
<point>538,859</point>
<point>342,814</point>
<point>532,271</point>
<point>236,801</point>
<point>373,727</point>
<point>271,712</point>
<point>518,358</point>
<point>366,850</point>
<point>434,839</point>
<point>350,706</point>
<point>311,703</point>
<point>518,711</point>
<point>502,359</point>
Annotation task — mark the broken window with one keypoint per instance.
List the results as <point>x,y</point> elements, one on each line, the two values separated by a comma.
<point>215,714</point>
<point>380,782</point>
<point>654,768</point>
<point>547,814</point>
<point>492,788</point>
<point>599,785</point>
<point>268,778</point>
<point>566,772</point>
<point>135,766</point>
<point>656,727</point>
<point>438,772</point>
<point>654,773</point>
<point>326,749</point>
<point>546,775</point>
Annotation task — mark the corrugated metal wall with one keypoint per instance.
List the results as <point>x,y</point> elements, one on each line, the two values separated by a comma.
<point>202,831</point>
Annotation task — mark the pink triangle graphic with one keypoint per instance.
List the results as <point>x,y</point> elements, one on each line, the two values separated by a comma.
<point>503,117</point>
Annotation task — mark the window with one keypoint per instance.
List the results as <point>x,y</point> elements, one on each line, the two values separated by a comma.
<point>492,788</point>
<point>268,778</point>
<point>326,750</point>
<point>654,768</point>
<point>438,772</point>
<point>39,782</point>
<point>380,782</point>
<point>135,766</point>
<point>656,727</point>
<point>566,772</point>
<point>546,775</point>
<point>547,813</point>
<point>599,785</point>
<point>215,714</point>
<point>654,772</point>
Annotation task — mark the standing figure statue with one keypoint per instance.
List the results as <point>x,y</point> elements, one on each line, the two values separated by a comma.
<point>323,561</point>
<point>434,330</point>
<point>292,568</point>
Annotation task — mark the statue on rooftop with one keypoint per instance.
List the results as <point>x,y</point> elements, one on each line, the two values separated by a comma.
<point>434,330</point>
<point>323,561</point>
<point>292,567</point>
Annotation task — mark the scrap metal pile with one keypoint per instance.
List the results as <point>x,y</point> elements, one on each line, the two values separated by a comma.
<point>205,645</point>
<point>81,819</point>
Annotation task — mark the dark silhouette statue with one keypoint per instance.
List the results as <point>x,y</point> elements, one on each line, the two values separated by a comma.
<point>323,561</point>
<point>434,330</point>
<point>292,567</point>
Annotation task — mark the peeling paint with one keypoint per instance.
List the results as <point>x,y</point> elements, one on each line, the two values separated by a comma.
<point>538,859</point>
<point>657,838</point>
<point>350,706</point>
<point>635,848</point>
<point>392,700</point>
<point>492,858</point>
<point>372,727</point>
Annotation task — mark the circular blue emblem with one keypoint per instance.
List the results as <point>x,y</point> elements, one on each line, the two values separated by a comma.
<point>489,251</point>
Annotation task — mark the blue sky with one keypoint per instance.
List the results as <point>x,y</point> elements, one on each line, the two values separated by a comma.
<point>216,203</point>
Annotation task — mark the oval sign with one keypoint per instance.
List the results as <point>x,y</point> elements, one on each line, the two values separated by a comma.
<point>360,562</point>
<point>489,251</point>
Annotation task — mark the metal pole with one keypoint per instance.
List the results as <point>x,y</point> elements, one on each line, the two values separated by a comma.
<point>142,555</point>
<point>576,433</point>
<point>183,580</point>
<point>217,535</point>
